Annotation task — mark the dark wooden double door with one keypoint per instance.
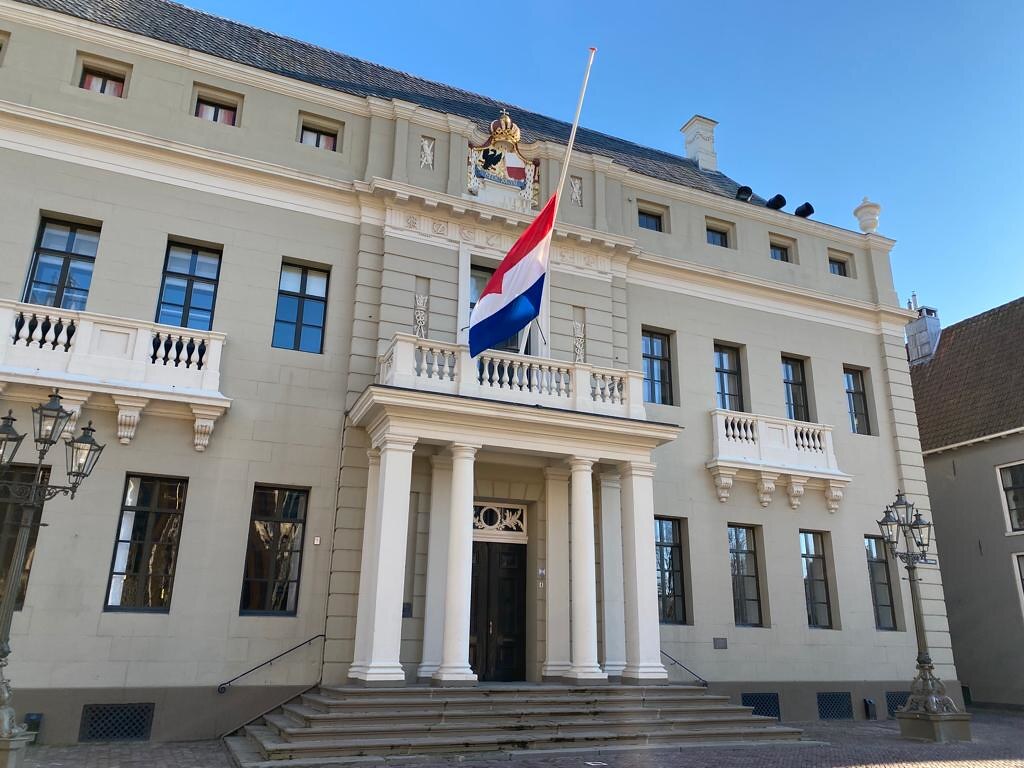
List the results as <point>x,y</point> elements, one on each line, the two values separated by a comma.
<point>497,623</point>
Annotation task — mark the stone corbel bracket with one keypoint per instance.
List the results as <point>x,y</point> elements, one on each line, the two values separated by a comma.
<point>766,481</point>
<point>206,416</point>
<point>129,411</point>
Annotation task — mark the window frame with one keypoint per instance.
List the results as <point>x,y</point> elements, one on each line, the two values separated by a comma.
<point>107,607</point>
<point>843,259</point>
<point>67,257</point>
<point>737,373</point>
<point>710,231</point>
<point>1017,559</point>
<point>851,396</point>
<point>825,580</point>
<point>1007,514</point>
<point>9,529</point>
<point>755,553</point>
<point>656,217</point>
<point>320,134</point>
<point>5,43</point>
<point>886,562</point>
<point>90,70</point>
<point>666,365</point>
<point>301,550</point>
<point>190,278</point>
<point>676,572</point>
<point>784,249</point>
<point>789,387</point>
<point>302,298</point>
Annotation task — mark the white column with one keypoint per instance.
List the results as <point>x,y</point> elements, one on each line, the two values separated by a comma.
<point>556,578</point>
<point>382,573</point>
<point>437,565</point>
<point>612,603</point>
<point>643,633</point>
<point>584,575</point>
<point>455,669</point>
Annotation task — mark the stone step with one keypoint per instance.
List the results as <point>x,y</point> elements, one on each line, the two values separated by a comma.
<point>506,690</point>
<point>288,730</point>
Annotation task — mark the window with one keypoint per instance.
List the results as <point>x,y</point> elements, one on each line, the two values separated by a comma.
<point>478,278</point>
<point>146,549</point>
<point>668,552</point>
<point>5,39</point>
<point>880,583</point>
<point>650,220</point>
<point>1020,568</point>
<point>273,559</point>
<point>189,289</point>
<point>62,264</point>
<point>216,109</point>
<point>837,267</point>
<point>319,138</point>
<point>780,252</point>
<point>796,389</point>
<point>10,519</point>
<point>719,237</point>
<point>102,82</point>
<point>301,309</point>
<point>727,378</point>
<point>657,368</point>
<point>1013,487</point>
<point>857,401</point>
<point>746,591</point>
<point>812,555</point>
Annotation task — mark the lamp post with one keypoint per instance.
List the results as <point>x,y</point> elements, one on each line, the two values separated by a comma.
<point>929,713</point>
<point>49,420</point>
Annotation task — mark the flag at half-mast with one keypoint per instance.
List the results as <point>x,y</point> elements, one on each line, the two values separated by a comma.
<point>511,299</point>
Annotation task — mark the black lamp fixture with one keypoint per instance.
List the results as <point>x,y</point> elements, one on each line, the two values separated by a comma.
<point>82,453</point>
<point>49,421</point>
<point>776,202</point>
<point>805,210</point>
<point>744,193</point>
<point>10,439</point>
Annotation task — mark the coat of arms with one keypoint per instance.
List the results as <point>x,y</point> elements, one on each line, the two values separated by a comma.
<point>498,164</point>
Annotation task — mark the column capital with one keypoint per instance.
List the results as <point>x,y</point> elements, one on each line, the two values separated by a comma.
<point>388,441</point>
<point>463,450</point>
<point>556,473</point>
<point>638,469</point>
<point>581,463</point>
<point>373,457</point>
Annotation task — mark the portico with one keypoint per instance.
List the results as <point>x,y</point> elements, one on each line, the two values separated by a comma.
<point>567,448</point>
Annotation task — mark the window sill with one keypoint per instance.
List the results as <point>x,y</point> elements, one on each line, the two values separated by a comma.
<point>1014,533</point>
<point>122,609</point>
<point>276,614</point>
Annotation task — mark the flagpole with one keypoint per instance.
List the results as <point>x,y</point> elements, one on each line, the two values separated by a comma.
<point>565,172</point>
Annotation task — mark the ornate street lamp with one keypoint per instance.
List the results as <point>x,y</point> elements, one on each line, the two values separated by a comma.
<point>49,421</point>
<point>929,713</point>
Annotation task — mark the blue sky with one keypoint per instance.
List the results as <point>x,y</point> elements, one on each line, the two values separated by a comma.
<point>918,105</point>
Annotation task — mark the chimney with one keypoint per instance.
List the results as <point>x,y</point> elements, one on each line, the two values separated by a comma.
<point>923,334</point>
<point>699,133</point>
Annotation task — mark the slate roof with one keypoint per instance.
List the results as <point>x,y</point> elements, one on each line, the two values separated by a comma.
<point>230,40</point>
<point>974,384</point>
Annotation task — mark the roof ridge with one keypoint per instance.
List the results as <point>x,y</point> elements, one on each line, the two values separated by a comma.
<point>981,316</point>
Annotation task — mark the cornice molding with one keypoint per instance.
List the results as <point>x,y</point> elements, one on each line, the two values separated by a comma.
<point>974,441</point>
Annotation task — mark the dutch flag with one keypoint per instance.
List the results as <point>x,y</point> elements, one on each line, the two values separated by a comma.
<point>511,299</point>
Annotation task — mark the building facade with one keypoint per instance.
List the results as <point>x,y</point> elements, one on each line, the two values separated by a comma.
<point>966,379</point>
<point>251,262</point>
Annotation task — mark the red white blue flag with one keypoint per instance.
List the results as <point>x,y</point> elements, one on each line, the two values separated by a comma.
<point>511,299</point>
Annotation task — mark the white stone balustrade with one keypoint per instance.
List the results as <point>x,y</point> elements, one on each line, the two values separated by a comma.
<point>134,361</point>
<point>432,366</point>
<point>767,449</point>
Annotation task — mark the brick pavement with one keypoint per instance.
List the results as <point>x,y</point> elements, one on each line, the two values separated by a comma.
<point>998,743</point>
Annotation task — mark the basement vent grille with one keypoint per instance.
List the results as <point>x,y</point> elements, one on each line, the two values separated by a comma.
<point>764,704</point>
<point>116,722</point>
<point>835,705</point>
<point>894,701</point>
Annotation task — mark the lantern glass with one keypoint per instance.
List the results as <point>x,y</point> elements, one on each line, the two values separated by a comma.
<point>82,453</point>
<point>921,530</point>
<point>904,509</point>
<point>49,422</point>
<point>10,440</point>
<point>889,526</point>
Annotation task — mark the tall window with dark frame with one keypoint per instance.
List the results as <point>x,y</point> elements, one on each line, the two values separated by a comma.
<point>301,309</point>
<point>857,401</point>
<point>320,138</point>
<point>146,547</point>
<point>795,385</point>
<point>728,379</point>
<point>216,112</point>
<point>62,264</point>
<point>812,557</point>
<point>102,82</point>
<point>880,583</point>
<point>1013,487</point>
<point>273,558</point>
<point>746,589</point>
<point>189,289</point>
<point>657,357</point>
<point>10,519</point>
<point>478,278</point>
<point>718,237</point>
<point>668,553</point>
<point>650,220</point>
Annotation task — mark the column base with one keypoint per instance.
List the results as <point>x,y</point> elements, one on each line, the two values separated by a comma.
<point>426,671</point>
<point>12,750</point>
<point>644,674</point>
<point>554,671</point>
<point>589,675</point>
<point>942,727</point>
<point>614,669</point>
<point>373,675</point>
<point>453,677</point>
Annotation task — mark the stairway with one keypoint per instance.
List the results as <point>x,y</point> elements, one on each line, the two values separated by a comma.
<point>337,725</point>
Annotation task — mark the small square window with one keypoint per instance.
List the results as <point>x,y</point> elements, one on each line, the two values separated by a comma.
<point>216,106</point>
<point>5,39</point>
<point>840,263</point>
<point>780,252</point>
<point>718,237</point>
<point>650,220</point>
<point>837,267</point>
<point>315,137</point>
<point>720,233</point>
<point>101,75</point>
<point>102,82</point>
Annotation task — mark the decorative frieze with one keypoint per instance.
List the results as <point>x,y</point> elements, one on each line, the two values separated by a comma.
<point>499,522</point>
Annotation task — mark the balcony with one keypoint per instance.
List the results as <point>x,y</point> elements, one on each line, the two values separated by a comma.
<point>172,371</point>
<point>769,450</point>
<point>432,366</point>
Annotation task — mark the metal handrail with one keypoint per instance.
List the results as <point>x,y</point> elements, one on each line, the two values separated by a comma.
<point>700,680</point>
<point>223,687</point>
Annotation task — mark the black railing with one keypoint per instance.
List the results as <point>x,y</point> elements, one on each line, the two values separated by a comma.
<point>700,680</point>
<point>223,687</point>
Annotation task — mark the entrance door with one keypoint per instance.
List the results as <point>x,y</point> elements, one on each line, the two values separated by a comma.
<point>497,624</point>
